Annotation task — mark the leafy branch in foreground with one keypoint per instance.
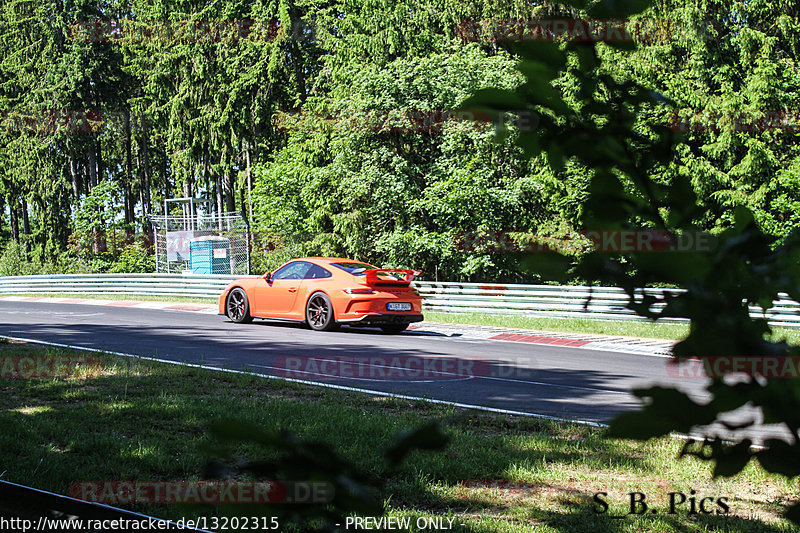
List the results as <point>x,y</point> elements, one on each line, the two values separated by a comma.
<point>590,117</point>
<point>288,458</point>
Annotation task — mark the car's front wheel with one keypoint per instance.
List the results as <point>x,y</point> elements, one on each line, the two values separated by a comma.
<point>394,328</point>
<point>238,308</point>
<point>319,313</point>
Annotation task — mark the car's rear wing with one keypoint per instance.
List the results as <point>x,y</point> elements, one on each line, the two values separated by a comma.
<point>389,276</point>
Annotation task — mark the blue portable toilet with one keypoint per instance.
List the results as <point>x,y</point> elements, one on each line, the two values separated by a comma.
<point>210,255</point>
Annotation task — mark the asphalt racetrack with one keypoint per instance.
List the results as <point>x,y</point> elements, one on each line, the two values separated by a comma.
<point>555,381</point>
<point>545,380</point>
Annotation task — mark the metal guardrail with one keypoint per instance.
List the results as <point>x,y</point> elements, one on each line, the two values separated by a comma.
<point>565,301</point>
<point>26,508</point>
<point>198,286</point>
<point>552,301</point>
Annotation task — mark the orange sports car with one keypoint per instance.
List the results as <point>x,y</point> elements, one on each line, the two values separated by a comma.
<point>326,292</point>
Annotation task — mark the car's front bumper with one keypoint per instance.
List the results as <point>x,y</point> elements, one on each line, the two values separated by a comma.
<point>222,299</point>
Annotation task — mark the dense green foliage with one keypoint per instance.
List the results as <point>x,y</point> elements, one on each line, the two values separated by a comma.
<point>638,178</point>
<point>323,124</point>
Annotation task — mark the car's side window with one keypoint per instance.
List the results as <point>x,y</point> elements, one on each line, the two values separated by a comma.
<point>317,272</point>
<point>294,270</point>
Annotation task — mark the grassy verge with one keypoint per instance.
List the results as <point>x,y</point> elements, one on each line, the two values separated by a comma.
<point>131,419</point>
<point>567,325</point>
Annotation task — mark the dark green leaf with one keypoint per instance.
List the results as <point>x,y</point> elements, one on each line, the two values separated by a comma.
<point>427,437</point>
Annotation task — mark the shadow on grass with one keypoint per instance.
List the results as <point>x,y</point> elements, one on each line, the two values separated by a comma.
<point>138,420</point>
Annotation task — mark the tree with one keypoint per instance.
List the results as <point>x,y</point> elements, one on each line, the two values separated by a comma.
<point>636,181</point>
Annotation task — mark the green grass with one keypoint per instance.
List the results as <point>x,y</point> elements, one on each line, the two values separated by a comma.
<point>132,419</point>
<point>567,325</point>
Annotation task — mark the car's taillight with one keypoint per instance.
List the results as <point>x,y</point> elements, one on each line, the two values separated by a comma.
<point>359,291</point>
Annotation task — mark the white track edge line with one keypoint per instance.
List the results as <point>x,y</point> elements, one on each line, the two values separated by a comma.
<point>315,383</point>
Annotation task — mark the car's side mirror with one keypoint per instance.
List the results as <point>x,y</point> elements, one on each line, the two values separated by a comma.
<point>268,276</point>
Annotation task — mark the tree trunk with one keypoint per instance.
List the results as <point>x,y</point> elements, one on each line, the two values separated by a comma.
<point>219,195</point>
<point>26,226</point>
<point>94,171</point>
<point>249,187</point>
<point>207,185</point>
<point>91,155</point>
<point>146,200</point>
<point>127,189</point>
<point>14,216</point>
<point>230,199</point>
<point>141,184</point>
<point>100,172</point>
<point>76,189</point>
<point>165,177</point>
<point>62,229</point>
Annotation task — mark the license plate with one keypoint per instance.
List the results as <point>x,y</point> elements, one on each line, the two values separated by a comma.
<point>398,306</point>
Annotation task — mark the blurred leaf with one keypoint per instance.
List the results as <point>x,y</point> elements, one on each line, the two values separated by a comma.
<point>666,411</point>
<point>793,513</point>
<point>625,46</point>
<point>732,459</point>
<point>292,459</point>
<point>544,52</point>
<point>495,99</point>
<point>780,457</point>
<point>618,9</point>
<point>548,265</point>
<point>231,430</point>
<point>428,437</point>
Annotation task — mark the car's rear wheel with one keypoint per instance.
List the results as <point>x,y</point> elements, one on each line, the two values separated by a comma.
<point>319,313</point>
<point>238,308</point>
<point>394,328</point>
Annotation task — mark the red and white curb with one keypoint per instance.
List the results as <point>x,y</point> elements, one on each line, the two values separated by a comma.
<point>609,343</point>
<point>631,345</point>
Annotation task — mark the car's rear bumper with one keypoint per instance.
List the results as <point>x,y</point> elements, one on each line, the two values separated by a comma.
<point>383,319</point>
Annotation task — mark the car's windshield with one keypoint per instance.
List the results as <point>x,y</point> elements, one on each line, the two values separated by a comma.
<point>357,269</point>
